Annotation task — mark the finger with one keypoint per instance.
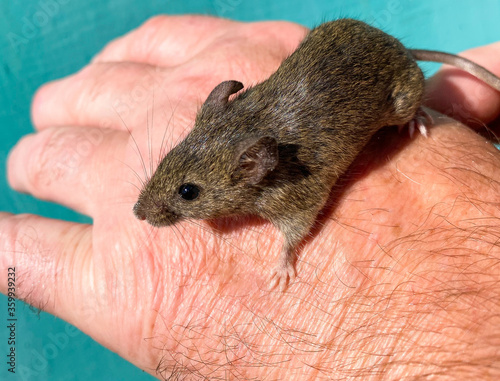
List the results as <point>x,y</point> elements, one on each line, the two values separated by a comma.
<point>165,40</point>
<point>115,96</point>
<point>169,41</point>
<point>461,95</point>
<point>51,261</point>
<point>78,167</point>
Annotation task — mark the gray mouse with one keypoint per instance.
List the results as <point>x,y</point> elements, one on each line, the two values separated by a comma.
<point>277,148</point>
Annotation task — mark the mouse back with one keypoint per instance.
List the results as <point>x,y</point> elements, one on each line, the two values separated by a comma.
<point>363,75</point>
<point>289,136</point>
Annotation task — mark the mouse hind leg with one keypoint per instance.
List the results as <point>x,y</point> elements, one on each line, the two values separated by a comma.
<point>406,100</point>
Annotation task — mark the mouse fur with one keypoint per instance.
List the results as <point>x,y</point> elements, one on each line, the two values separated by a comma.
<point>277,148</point>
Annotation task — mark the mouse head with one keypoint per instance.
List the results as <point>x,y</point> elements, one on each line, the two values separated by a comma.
<point>215,171</point>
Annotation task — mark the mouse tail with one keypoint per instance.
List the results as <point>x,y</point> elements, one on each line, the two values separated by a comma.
<point>462,63</point>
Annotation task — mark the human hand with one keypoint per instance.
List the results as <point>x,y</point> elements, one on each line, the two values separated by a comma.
<point>399,277</point>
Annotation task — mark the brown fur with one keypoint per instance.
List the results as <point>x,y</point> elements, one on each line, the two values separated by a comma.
<point>277,149</point>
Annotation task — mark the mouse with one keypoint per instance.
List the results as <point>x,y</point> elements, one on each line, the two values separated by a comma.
<point>276,149</point>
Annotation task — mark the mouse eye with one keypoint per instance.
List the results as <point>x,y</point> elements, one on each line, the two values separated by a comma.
<point>189,191</point>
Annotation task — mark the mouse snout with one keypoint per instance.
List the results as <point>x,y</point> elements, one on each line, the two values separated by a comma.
<point>139,211</point>
<point>156,213</point>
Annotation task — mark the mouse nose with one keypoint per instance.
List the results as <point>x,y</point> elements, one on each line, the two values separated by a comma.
<point>139,212</point>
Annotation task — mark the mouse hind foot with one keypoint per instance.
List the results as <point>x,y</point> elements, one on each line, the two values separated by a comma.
<point>421,121</point>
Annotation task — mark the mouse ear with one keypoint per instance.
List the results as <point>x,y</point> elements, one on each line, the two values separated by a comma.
<point>256,157</point>
<point>220,94</point>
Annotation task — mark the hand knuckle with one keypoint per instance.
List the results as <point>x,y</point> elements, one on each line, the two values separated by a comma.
<point>55,158</point>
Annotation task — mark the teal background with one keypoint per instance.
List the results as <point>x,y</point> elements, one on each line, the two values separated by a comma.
<point>41,40</point>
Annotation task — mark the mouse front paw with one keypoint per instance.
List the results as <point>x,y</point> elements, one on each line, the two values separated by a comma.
<point>283,275</point>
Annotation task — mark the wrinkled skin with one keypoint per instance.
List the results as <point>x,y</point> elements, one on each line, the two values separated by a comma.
<point>399,277</point>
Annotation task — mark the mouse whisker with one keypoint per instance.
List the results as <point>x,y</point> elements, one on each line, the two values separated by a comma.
<point>170,123</point>
<point>143,182</point>
<point>149,138</point>
<point>138,150</point>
